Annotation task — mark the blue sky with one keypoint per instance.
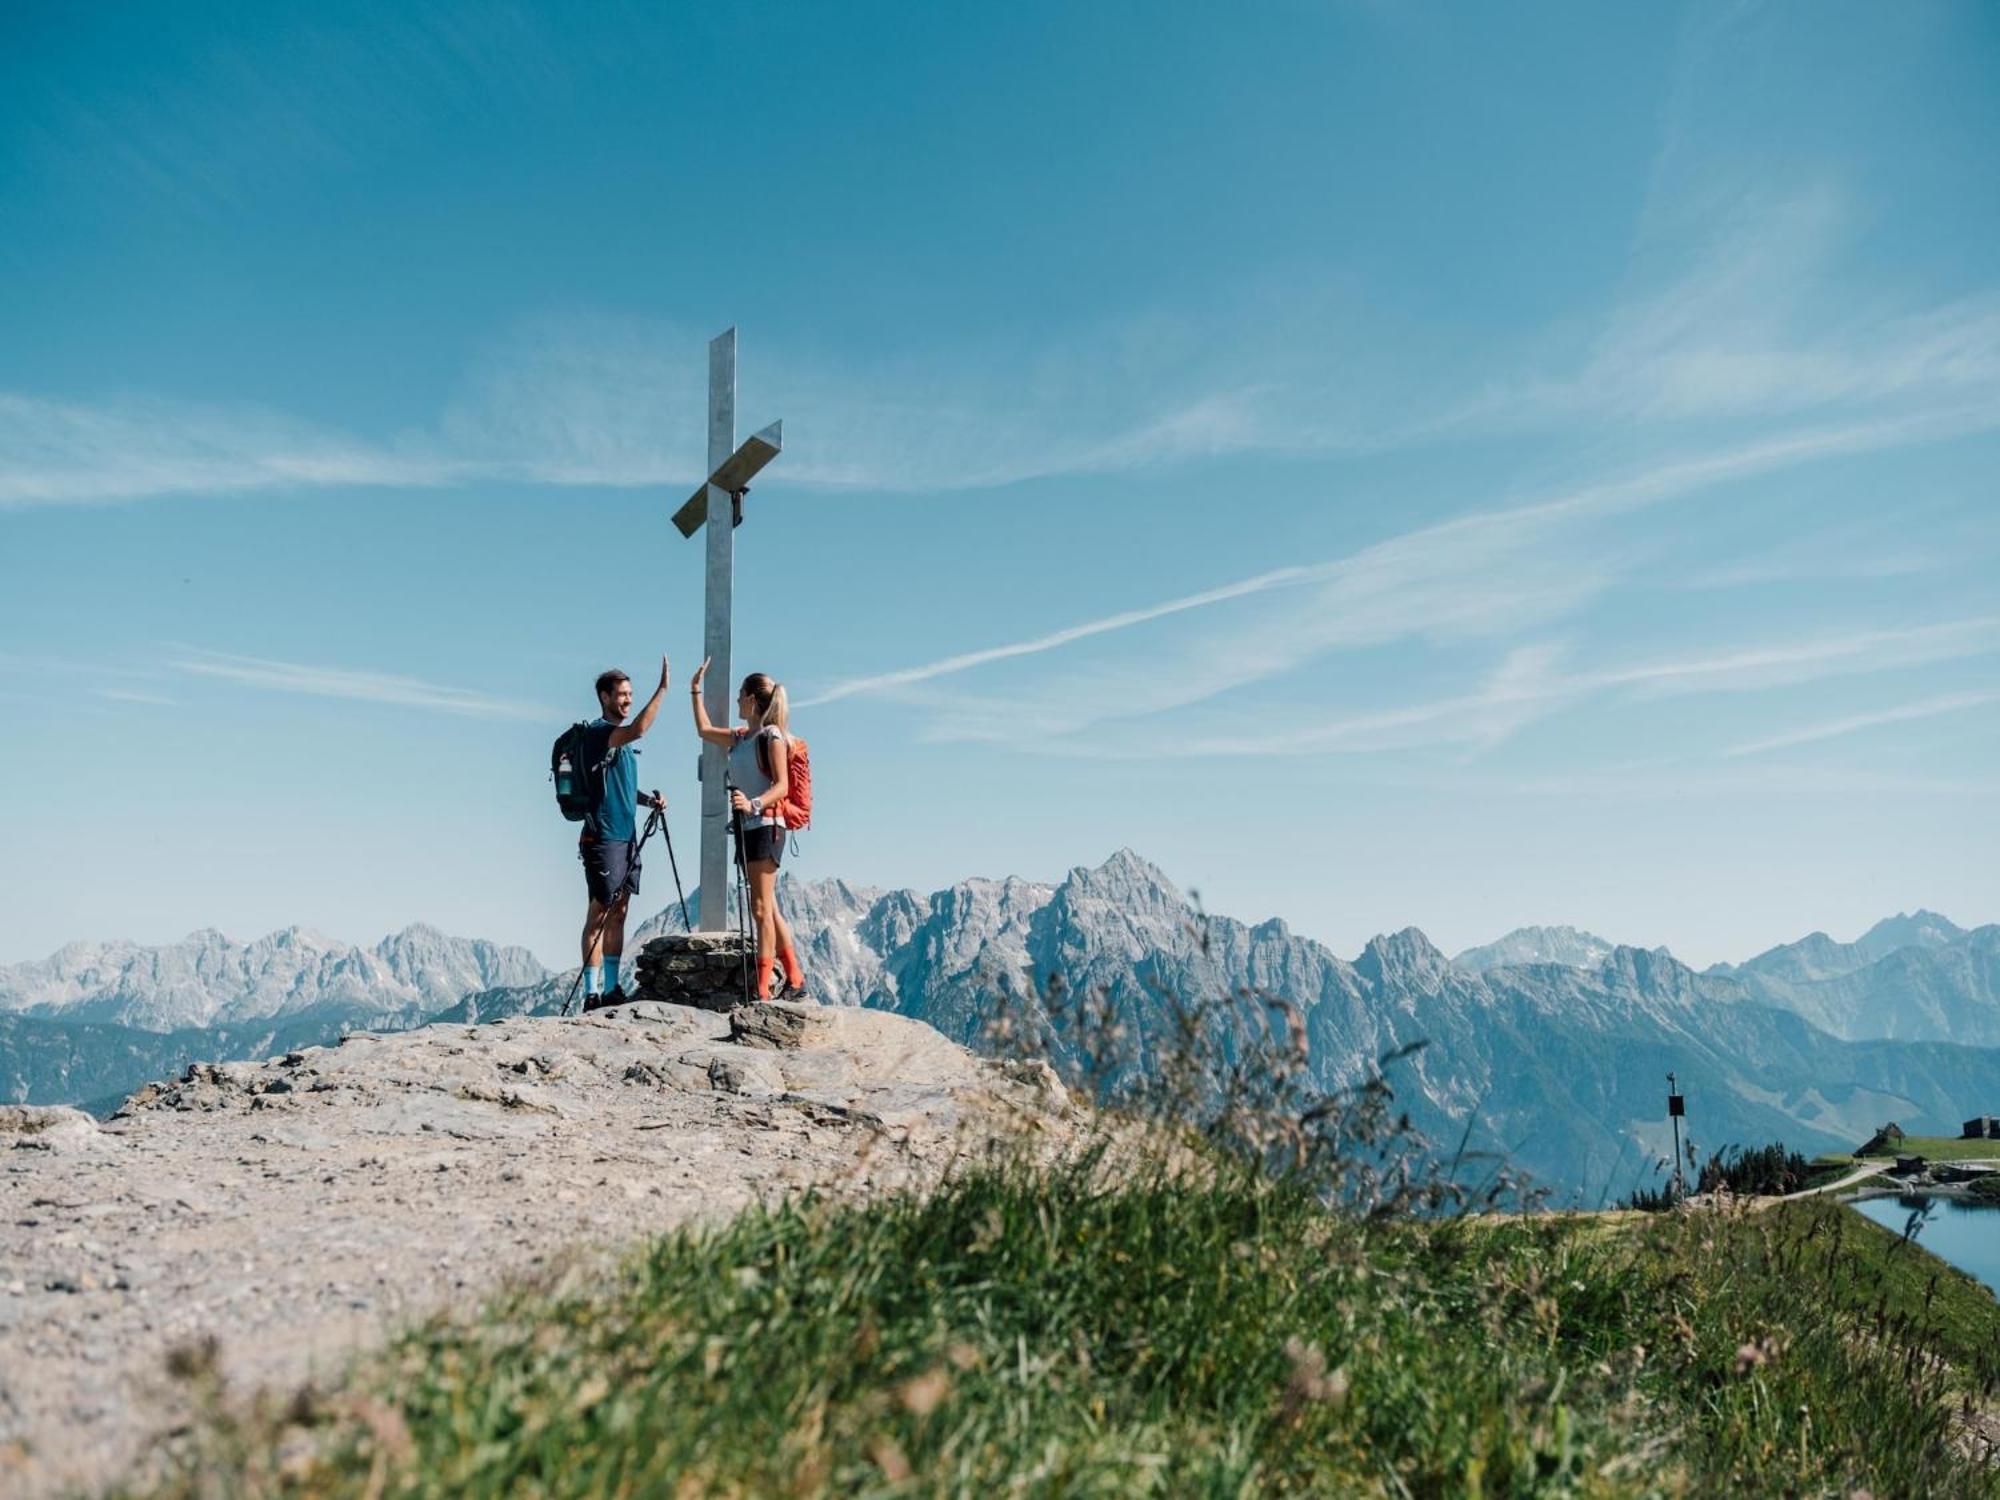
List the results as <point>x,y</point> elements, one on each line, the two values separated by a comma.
<point>1444,465</point>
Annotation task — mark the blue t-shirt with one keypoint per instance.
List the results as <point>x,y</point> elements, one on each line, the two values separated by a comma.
<point>614,818</point>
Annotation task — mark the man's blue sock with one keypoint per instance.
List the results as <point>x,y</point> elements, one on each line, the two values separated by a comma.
<point>610,972</point>
<point>593,980</point>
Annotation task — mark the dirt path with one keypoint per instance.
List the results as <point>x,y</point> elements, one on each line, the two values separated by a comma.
<point>1861,1173</point>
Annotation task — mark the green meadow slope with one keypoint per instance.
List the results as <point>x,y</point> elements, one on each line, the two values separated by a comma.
<point>1021,1333</point>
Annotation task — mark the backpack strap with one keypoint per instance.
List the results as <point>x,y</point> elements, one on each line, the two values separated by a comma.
<point>764,751</point>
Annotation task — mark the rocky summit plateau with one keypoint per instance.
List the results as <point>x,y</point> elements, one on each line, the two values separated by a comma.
<point>293,1209</point>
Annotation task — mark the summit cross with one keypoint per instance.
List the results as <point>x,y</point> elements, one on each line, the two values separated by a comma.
<point>730,470</point>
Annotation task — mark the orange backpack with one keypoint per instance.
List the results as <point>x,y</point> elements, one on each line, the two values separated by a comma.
<point>797,808</point>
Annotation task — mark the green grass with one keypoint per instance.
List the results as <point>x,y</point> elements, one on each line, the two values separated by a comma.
<point>1022,1334</point>
<point>1940,1148</point>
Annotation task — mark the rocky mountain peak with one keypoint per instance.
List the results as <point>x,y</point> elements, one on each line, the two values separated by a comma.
<point>1406,957</point>
<point>422,939</point>
<point>1814,956</point>
<point>295,939</point>
<point>1537,945</point>
<point>1913,929</point>
<point>1127,902</point>
<point>1126,873</point>
<point>1651,969</point>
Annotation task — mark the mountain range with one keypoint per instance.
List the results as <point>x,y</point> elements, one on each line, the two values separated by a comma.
<point>206,979</point>
<point>1548,1047</point>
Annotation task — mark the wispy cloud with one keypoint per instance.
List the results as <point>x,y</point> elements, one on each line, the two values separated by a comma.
<point>131,695</point>
<point>1751,317</point>
<point>117,679</point>
<point>1523,688</point>
<point>1844,653</point>
<point>1677,782</point>
<point>1906,563</point>
<point>64,453</point>
<point>338,682</point>
<point>305,103</point>
<point>1734,327</point>
<point>598,400</point>
<point>1480,575</point>
<point>1125,620</point>
<point>1911,537</point>
<point>1529,685</point>
<point>1948,703</point>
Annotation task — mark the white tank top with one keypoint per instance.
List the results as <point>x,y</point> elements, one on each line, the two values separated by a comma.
<point>747,775</point>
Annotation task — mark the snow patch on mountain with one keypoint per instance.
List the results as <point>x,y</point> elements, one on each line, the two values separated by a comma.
<point>1568,946</point>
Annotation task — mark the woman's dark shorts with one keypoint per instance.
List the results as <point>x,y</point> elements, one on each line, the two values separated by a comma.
<point>763,843</point>
<point>609,869</point>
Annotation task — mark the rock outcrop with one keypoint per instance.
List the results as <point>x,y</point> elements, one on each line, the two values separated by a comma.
<point>295,1209</point>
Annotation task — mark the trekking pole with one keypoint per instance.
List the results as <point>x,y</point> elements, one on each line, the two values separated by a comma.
<point>674,865</point>
<point>655,819</point>
<point>742,925</point>
<point>602,918</point>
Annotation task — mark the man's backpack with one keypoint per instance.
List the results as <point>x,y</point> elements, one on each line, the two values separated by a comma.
<point>797,808</point>
<point>579,783</point>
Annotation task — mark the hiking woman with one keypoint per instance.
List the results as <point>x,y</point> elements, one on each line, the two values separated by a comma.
<point>759,761</point>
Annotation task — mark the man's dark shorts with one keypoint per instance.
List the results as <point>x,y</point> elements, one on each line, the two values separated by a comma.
<point>767,842</point>
<point>610,869</point>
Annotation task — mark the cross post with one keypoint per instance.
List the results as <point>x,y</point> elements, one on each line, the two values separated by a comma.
<point>717,507</point>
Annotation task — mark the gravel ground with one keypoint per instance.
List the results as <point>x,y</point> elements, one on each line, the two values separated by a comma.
<point>300,1209</point>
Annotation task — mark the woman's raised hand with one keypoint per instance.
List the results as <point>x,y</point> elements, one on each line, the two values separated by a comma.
<point>694,682</point>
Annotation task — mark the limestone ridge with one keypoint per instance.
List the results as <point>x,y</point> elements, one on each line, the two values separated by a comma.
<point>95,1020</point>
<point>1917,929</point>
<point>1817,956</point>
<point>1938,987</point>
<point>1405,960</point>
<point>419,1169</point>
<point>1913,977</point>
<point>207,979</point>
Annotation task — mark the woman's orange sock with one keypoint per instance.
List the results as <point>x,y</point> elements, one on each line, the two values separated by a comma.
<point>794,975</point>
<point>764,967</point>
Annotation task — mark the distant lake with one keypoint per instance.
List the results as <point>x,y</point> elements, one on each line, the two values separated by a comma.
<point>1965,1235</point>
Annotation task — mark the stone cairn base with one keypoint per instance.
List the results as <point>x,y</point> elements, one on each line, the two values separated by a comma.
<point>702,969</point>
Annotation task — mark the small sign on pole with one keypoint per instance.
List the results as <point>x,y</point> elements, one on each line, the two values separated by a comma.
<point>1676,1108</point>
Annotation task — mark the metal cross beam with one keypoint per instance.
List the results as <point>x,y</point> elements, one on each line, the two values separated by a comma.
<point>730,470</point>
<point>733,478</point>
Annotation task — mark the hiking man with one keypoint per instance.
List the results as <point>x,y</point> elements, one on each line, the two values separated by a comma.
<point>608,844</point>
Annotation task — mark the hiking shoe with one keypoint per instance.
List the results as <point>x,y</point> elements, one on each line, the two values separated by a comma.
<point>793,992</point>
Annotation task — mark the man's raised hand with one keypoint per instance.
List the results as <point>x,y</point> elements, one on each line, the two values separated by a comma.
<point>665,676</point>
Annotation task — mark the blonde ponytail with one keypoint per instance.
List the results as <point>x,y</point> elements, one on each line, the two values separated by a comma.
<point>769,695</point>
